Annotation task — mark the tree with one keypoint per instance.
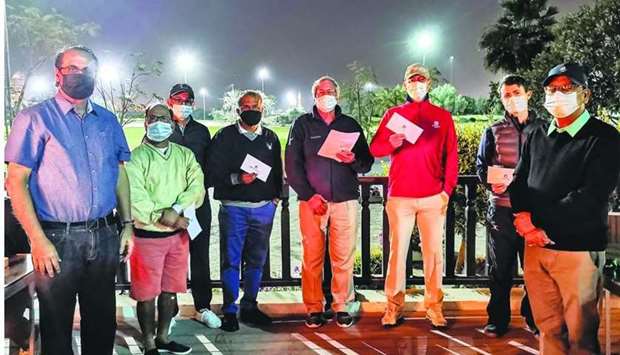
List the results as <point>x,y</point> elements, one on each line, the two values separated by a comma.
<point>523,31</point>
<point>126,96</point>
<point>35,36</point>
<point>447,97</point>
<point>358,97</point>
<point>590,36</point>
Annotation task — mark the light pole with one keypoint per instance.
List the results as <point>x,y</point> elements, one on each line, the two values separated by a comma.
<point>369,86</point>
<point>452,70</point>
<point>185,61</point>
<point>423,41</point>
<point>204,93</point>
<point>263,74</point>
<point>291,98</point>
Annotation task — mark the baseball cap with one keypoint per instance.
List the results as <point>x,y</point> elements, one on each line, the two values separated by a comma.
<point>574,71</point>
<point>179,88</point>
<point>417,69</point>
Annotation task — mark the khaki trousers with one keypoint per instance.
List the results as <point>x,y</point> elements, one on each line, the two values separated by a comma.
<point>564,289</point>
<point>430,214</point>
<point>342,218</point>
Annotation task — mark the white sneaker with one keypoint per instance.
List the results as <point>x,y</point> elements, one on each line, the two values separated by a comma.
<point>209,318</point>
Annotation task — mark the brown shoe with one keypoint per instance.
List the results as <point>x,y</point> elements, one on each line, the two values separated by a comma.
<point>392,317</point>
<point>436,317</point>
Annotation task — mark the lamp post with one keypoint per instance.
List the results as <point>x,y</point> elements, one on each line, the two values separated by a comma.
<point>423,41</point>
<point>452,70</point>
<point>204,93</point>
<point>263,74</point>
<point>185,61</point>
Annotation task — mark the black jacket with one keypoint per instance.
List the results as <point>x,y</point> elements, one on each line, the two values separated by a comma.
<point>197,138</point>
<point>501,145</point>
<point>565,183</point>
<point>308,173</point>
<point>226,154</point>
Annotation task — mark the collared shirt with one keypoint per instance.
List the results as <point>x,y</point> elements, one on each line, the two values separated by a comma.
<point>573,128</point>
<point>248,134</point>
<point>163,180</point>
<point>234,178</point>
<point>74,160</point>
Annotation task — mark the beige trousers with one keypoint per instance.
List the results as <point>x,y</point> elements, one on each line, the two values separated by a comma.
<point>430,214</point>
<point>564,289</point>
<point>342,218</point>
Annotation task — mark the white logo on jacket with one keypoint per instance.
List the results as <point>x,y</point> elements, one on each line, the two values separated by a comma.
<point>435,124</point>
<point>269,145</point>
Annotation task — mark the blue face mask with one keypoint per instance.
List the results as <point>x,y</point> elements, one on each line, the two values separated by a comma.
<point>183,111</point>
<point>158,131</point>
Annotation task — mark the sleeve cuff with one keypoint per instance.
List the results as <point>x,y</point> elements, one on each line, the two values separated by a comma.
<point>178,208</point>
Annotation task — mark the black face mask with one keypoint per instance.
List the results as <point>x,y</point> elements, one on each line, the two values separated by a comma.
<point>251,118</point>
<point>78,86</point>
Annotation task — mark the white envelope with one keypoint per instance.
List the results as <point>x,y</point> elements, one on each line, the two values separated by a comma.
<point>401,125</point>
<point>194,227</point>
<point>337,142</point>
<point>499,175</point>
<point>254,166</point>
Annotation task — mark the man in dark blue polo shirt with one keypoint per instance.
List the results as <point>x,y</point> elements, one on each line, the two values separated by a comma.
<point>195,136</point>
<point>65,176</point>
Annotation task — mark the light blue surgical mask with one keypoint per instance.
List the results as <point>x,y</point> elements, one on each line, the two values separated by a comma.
<point>158,131</point>
<point>183,111</point>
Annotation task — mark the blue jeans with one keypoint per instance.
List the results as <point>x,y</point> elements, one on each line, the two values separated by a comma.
<point>89,259</point>
<point>244,234</point>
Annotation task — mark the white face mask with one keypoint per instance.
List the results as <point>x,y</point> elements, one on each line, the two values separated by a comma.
<point>326,103</point>
<point>183,111</point>
<point>515,104</point>
<point>417,91</point>
<point>561,105</point>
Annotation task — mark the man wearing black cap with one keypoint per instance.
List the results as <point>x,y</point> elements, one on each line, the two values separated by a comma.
<point>196,137</point>
<point>559,197</point>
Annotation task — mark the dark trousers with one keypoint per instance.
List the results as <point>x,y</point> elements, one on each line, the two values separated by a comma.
<point>199,260</point>
<point>504,245</point>
<point>89,258</point>
<point>244,233</point>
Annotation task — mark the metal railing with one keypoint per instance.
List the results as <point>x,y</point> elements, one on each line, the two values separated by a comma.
<point>373,191</point>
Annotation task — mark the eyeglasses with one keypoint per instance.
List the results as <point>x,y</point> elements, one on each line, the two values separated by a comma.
<point>330,92</point>
<point>565,89</point>
<point>72,69</point>
<point>181,101</point>
<point>249,108</point>
<point>154,118</point>
<point>417,78</point>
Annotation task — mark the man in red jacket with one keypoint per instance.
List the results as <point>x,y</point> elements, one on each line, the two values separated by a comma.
<point>423,173</point>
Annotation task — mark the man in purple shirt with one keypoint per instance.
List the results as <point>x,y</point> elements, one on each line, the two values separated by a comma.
<point>65,176</point>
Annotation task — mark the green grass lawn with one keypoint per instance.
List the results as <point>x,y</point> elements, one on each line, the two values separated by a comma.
<point>135,133</point>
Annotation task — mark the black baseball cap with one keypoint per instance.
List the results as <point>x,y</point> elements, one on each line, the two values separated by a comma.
<point>576,73</point>
<point>179,88</point>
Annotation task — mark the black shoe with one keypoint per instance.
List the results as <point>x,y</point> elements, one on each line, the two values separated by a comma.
<point>328,315</point>
<point>151,352</point>
<point>531,328</point>
<point>229,322</point>
<point>492,331</point>
<point>315,320</point>
<point>255,316</point>
<point>172,347</point>
<point>344,319</point>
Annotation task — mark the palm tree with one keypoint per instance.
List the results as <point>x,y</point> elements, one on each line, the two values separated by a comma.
<point>522,32</point>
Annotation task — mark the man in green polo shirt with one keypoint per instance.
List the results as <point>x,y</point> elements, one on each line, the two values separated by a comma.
<point>167,184</point>
<point>560,200</point>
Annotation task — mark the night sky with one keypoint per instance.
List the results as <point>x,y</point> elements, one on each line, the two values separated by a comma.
<point>296,40</point>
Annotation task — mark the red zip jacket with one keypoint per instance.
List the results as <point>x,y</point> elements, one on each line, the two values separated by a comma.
<point>428,166</point>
